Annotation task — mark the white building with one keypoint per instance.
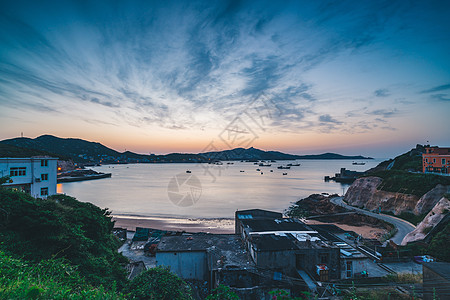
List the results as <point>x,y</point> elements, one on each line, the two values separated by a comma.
<point>35,176</point>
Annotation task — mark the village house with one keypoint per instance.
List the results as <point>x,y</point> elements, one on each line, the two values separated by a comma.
<point>35,175</point>
<point>436,160</point>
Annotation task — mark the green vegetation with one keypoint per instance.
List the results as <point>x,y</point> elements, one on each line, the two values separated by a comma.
<point>62,227</point>
<point>222,292</point>
<point>409,183</point>
<point>60,248</point>
<point>408,162</point>
<point>158,283</point>
<point>48,279</point>
<point>405,277</point>
<point>438,247</point>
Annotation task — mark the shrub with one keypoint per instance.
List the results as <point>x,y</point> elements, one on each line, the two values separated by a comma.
<point>158,284</point>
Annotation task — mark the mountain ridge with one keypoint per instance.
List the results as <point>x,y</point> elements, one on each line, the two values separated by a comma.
<point>83,151</point>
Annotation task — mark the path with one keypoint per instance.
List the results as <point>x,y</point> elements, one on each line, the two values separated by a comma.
<point>403,227</point>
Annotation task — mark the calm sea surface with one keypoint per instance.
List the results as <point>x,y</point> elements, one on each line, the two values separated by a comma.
<point>210,191</point>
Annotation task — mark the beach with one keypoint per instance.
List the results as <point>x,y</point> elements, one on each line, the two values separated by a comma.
<point>217,226</point>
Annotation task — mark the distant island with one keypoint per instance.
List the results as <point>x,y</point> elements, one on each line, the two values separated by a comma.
<point>86,152</point>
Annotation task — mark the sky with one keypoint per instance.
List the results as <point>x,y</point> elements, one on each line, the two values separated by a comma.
<point>303,77</point>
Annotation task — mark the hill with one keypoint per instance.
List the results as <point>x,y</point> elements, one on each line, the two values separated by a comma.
<point>91,152</point>
<point>7,150</point>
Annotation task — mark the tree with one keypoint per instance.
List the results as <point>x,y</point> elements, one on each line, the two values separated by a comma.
<point>158,284</point>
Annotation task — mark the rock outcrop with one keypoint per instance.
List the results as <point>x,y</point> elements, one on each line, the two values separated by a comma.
<point>440,209</point>
<point>364,193</point>
<point>429,200</point>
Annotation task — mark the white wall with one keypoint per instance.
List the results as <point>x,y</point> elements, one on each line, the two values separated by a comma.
<point>34,170</point>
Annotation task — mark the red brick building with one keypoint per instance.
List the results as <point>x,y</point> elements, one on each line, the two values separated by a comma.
<point>436,160</point>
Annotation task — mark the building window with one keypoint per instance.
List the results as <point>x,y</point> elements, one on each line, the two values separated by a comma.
<point>349,269</point>
<point>434,160</point>
<point>44,191</point>
<point>44,162</point>
<point>22,171</point>
<point>443,161</point>
<point>44,177</point>
<point>426,159</point>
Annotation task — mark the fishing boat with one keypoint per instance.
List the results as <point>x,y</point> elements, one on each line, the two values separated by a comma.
<point>283,167</point>
<point>358,163</point>
<point>188,171</point>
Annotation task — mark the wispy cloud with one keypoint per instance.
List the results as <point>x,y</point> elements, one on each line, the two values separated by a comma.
<point>197,64</point>
<point>435,89</point>
<point>381,93</point>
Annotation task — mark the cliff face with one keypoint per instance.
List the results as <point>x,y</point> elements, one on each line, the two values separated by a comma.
<point>429,200</point>
<point>364,193</point>
<point>440,209</point>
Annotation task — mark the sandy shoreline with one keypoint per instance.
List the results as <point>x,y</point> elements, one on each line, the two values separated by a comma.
<point>218,226</point>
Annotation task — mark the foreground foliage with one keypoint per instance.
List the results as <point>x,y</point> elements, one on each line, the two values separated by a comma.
<point>159,284</point>
<point>62,227</point>
<point>48,279</point>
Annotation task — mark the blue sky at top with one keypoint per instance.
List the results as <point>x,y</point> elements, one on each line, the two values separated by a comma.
<point>370,77</point>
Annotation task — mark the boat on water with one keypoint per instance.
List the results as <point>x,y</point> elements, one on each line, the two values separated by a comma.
<point>284,173</point>
<point>242,171</point>
<point>358,163</point>
<point>258,170</point>
<point>283,167</point>
<point>263,165</point>
<point>293,165</point>
<point>188,171</point>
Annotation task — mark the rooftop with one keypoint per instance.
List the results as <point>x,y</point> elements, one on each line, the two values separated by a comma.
<point>196,242</point>
<point>282,224</point>
<point>288,241</point>
<point>224,250</point>
<point>441,268</point>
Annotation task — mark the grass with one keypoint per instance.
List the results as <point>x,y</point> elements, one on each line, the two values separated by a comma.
<point>48,279</point>
<point>418,184</point>
<point>405,278</point>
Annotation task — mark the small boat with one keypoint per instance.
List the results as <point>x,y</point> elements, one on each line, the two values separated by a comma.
<point>284,173</point>
<point>358,163</point>
<point>242,171</point>
<point>230,163</point>
<point>293,165</point>
<point>282,167</point>
<point>263,165</point>
<point>188,171</point>
<point>258,170</point>
<point>271,170</point>
<point>262,173</point>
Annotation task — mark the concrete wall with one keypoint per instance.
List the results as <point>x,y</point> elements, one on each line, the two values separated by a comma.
<point>358,265</point>
<point>187,265</point>
<point>284,259</point>
<point>307,259</point>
